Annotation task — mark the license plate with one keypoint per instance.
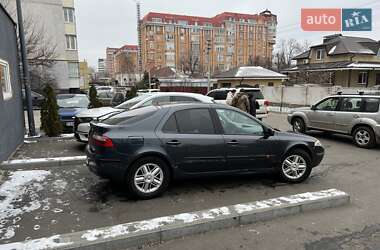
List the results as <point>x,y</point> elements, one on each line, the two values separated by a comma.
<point>70,124</point>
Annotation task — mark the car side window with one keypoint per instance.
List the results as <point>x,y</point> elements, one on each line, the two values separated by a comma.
<point>194,121</point>
<point>170,126</point>
<point>235,123</point>
<point>329,104</point>
<point>183,99</point>
<point>156,101</point>
<point>351,104</point>
<point>371,105</point>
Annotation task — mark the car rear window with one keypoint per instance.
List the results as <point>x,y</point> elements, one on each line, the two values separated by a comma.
<point>194,121</point>
<point>131,116</point>
<point>256,93</point>
<point>219,94</point>
<point>371,105</point>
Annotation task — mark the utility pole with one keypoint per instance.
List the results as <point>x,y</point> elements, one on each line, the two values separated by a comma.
<point>139,38</point>
<point>25,70</point>
<point>209,54</point>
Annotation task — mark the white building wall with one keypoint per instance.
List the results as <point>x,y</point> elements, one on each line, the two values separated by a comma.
<point>49,15</point>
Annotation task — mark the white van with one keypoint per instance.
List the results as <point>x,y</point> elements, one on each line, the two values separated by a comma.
<point>220,96</point>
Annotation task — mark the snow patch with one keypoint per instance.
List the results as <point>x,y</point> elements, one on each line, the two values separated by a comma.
<point>332,50</point>
<point>38,244</point>
<point>41,160</point>
<point>13,191</point>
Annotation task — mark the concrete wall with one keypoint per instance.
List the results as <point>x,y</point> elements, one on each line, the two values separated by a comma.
<point>301,95</point>
<point>11,110</point>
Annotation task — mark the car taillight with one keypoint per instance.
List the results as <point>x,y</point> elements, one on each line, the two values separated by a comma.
<point>102,141</point>
<point>266,103</point>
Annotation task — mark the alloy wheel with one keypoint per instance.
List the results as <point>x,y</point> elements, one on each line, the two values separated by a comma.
<point>362,137</point>
<point>148,178</point>
<point>294,167</point>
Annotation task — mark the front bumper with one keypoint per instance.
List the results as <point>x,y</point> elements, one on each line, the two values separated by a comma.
<point>82,131</point>
<point>318,155</point>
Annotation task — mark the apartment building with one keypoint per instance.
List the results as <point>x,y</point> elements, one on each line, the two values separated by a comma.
<point>125,65</point>
<point>110,69</point>
<point>193,43</point>
<point>101,66</point>
<point>55,19</point>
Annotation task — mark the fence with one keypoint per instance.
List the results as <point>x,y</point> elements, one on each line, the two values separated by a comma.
<point>303,95</point>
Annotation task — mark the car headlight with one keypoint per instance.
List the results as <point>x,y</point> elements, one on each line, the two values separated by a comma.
<point>317,143</point>
<point>85,119</point>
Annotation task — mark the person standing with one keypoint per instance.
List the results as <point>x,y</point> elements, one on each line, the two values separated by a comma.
<point>254,105</point>
<point>241,101</point>
<point>230,96</point>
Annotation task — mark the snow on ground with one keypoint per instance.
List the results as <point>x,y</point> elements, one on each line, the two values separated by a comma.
<point>39,244</point>
<point>12,202</point>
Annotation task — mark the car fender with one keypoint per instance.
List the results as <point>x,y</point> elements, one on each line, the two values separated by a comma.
<point>300,145</point>
<point>147,151</point>
<point>301,115</point>
<point>363,122</point>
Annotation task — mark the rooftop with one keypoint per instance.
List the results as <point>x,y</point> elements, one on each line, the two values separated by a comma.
<point>338,44</point>
<point>252,72</point>
<point>216,20</point>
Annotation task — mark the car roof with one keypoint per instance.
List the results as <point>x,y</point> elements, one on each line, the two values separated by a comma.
<point>194,105</point>
<point>357,95</point>
<point>193,95</point>
<point>71,95</point>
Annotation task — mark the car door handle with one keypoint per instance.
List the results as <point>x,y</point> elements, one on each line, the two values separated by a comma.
<point>233,142</point>
<point>173,142</point>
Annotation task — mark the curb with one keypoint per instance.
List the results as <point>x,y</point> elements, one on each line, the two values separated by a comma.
<point>46,138</point>
<point>157,230</point>
<point>43,162</point>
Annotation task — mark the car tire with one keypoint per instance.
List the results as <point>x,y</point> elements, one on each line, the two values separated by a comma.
<point>143,182</point>
<point>295,166</point>
<point>364,137</point>
<point>298,125</point>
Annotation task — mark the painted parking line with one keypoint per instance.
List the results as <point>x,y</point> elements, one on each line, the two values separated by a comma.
<point>175,226</point>
<point>56,161</point>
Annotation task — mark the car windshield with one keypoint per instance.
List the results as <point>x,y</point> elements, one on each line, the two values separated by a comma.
<point>130,103</point>
<point>72,101</point>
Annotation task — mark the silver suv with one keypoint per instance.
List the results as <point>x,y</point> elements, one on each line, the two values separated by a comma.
<point>356,115</point>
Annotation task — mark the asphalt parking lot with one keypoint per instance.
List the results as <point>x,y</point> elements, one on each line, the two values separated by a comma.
<point>72,199</point>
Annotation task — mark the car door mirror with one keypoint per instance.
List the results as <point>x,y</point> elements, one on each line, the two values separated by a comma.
<point>313,107</point>
<point>268,132</point>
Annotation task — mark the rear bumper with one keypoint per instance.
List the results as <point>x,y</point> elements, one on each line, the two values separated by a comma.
<point>113,169</point>
<point>261,116</point>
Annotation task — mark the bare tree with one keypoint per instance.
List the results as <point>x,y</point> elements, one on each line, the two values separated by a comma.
<point>190,65</point>
<point>286,50</point>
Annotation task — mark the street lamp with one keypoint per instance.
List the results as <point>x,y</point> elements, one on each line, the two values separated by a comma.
<point>25,70</point>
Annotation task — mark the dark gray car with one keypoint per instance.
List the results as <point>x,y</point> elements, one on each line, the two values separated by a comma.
<point>145,148</point>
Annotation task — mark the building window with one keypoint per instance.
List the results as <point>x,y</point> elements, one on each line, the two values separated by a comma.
<point>363,78</point>
<point>71,42</point>
<point>69,15</point>
<point>156,20</point>
<point>5,80</point>
<point>319,54</point>
<point>73,69</point>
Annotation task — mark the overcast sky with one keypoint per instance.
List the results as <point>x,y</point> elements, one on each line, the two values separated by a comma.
<point>112,23</point>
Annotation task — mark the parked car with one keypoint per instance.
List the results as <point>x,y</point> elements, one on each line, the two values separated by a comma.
<point>82,120</point>
<point>37,99</point>
<point>220,96</point>
<point>355,115</point>
<point>70,105</point>
<point>146,148</point>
